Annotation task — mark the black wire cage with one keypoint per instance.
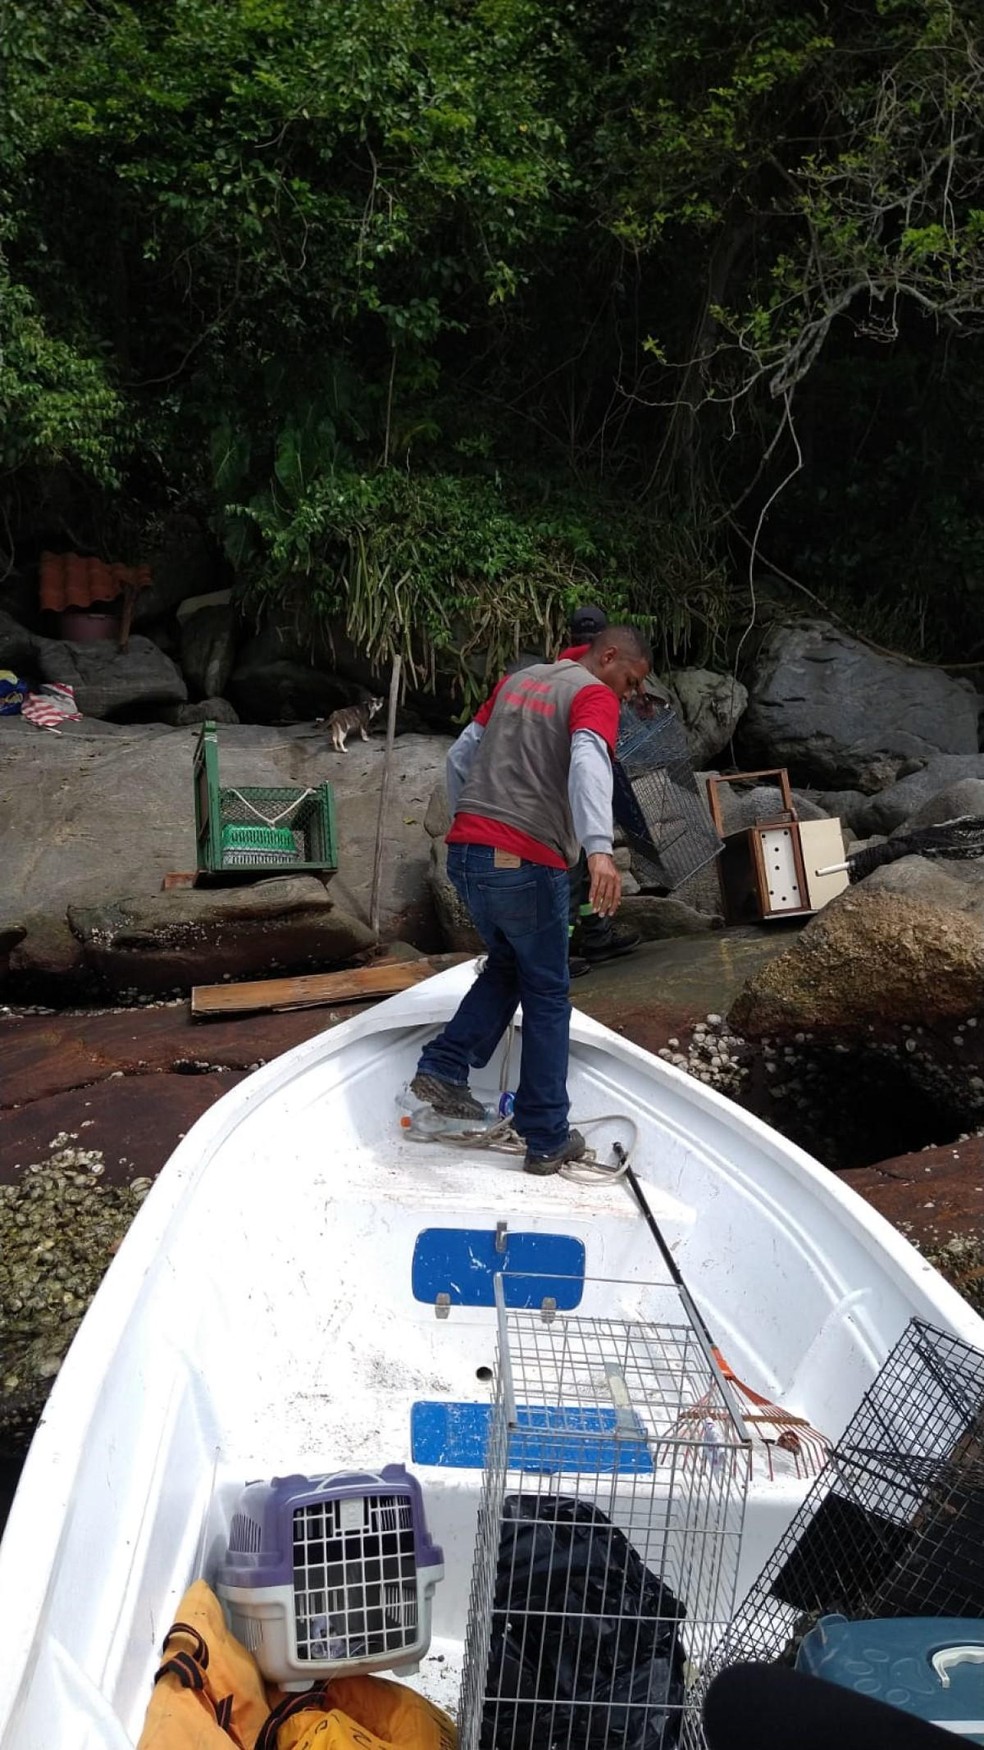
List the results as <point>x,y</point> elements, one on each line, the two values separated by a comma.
<point>656,798</point>
<point>894,1524</point>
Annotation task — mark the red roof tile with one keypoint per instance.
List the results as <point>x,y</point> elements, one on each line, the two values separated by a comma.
<point>69,581</point>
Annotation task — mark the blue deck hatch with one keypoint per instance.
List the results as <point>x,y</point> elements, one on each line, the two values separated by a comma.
<point>462,1263</point>
<point>560,1438</point>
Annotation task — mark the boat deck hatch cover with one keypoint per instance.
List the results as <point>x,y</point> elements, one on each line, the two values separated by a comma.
<point>575,1437</point>
<point>462,1263</point>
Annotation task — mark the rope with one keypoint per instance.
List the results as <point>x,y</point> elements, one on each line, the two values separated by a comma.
<point>270,819</point>
<point>503,1138</point>
<point>506,1055</point>
<point>500,1136</point>
<point>589,1170</point>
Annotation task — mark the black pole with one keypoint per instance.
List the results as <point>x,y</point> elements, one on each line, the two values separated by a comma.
<point>667,1256</point>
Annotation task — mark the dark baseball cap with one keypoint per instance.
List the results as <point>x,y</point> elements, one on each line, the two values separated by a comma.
<point>587,621</point>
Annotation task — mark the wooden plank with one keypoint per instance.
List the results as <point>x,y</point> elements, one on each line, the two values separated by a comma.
<point>363,983</point>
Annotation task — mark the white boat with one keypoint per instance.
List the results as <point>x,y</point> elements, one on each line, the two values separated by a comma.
<point>265,1315</point>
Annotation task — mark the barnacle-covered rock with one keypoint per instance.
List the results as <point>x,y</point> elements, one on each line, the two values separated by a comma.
<point>60,1224</point>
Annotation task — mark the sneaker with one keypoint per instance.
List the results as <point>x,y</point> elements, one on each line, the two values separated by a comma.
<point>571,1150</point>
<point>607,943</point>
<point>577,966</point>
<point>450,1099</point>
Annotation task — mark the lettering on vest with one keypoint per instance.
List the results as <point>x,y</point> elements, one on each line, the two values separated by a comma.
<point>520,773</point>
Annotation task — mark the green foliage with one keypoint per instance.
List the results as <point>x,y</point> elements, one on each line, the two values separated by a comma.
<point>448,572</point>
<point>443,312</point>
<point>56,405</point>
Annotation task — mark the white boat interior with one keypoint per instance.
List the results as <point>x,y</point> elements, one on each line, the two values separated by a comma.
<point>272,1310</point>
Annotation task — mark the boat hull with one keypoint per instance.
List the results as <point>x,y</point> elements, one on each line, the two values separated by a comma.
<point>267,1313</point>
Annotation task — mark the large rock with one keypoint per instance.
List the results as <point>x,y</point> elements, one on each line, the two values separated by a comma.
<point>10,934</point>
<point>103,811</point>
<point>437,820</point>
<point>836,713</point>
<point>965,797</point>
<point>170,941</point>
<point>109,682</point>
<point>906,801</point>
<point>48,959</point>
<point>198,711</point>
<point>956,886</point>
<point>657,917</point>
<point>457,930</point>
<point>208,648</point>
<point>847,806</point>
<point>709,706</point>
<point>870,961</point>
<point>742,808</point>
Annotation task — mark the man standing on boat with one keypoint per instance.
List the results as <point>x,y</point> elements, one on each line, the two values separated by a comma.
<point>529,784</point>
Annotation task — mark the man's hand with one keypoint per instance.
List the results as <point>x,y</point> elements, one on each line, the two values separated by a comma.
<point>606,884</point>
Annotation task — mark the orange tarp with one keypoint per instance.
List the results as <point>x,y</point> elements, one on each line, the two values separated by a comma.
<point>69,581</point>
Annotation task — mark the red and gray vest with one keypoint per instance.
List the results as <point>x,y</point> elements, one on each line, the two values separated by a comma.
<point>521,769</point>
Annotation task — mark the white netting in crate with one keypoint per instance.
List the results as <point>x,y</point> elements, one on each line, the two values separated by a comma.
<point>609,1534</point>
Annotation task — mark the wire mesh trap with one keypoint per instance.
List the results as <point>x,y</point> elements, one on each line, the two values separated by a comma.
<point>894,1524</point>
<point>608,1537</point>
<point>657,803</point>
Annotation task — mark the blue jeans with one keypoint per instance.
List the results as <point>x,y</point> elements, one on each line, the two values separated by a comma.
<point>521,916</point>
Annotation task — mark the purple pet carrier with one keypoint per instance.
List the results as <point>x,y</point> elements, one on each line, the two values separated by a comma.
<point>331,1576</point>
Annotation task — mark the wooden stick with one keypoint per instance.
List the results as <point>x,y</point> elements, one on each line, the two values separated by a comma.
<point>377,865</point>
<point>129,598</point>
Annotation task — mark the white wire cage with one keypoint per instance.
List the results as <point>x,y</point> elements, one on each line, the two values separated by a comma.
<point>609,1532</point>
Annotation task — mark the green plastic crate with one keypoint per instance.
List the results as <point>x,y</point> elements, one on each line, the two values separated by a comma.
<point>259,829</point>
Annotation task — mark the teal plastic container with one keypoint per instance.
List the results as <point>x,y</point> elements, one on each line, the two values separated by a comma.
<point>931,1666</point>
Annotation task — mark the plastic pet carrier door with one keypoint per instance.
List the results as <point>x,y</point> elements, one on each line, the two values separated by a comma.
<point>332,1576</point>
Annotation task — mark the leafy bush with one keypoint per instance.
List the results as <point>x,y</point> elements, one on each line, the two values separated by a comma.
<point>445,570</point>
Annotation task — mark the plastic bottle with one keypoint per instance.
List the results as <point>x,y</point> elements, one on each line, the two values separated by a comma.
<point>712,1442</point>
<point>424,1121</point>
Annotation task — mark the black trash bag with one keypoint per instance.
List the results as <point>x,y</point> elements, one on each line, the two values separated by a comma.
<point>585,1649</point>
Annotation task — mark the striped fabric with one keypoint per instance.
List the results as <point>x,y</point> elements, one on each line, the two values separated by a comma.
<point>50,705</point>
